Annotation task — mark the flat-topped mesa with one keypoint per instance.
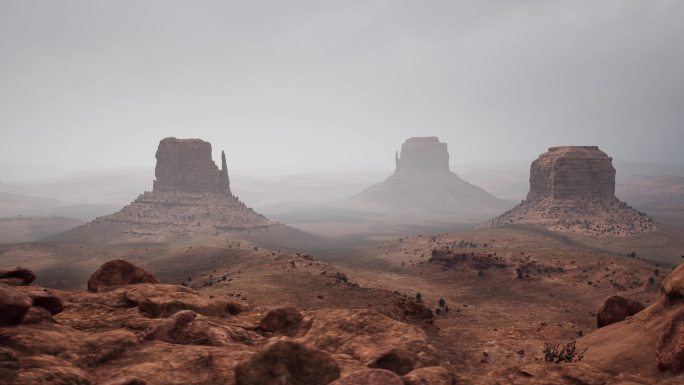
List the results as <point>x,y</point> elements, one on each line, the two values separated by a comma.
<point>572,172</point>
<point>423,153</point>
<point>185,165</point>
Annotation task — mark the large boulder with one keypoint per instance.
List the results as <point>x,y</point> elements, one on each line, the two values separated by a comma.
<point>118,272</point>
<point>615,309</point>
<point>288,363</point>
<point>14,305</point>
<point>281,320</point>
<point>370,377</point>
<point>47,300</point>
<point>20,275</point>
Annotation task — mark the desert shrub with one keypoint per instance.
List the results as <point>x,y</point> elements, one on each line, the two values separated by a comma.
<point>563,353</point>
<point>341,277</point>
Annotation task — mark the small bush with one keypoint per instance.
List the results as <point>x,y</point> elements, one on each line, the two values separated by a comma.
<point>563,353</point>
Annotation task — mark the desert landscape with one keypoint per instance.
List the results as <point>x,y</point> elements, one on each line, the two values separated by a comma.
<point>360,193</point>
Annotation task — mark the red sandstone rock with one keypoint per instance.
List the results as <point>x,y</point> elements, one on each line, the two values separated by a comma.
<point>281,320</point>
<point>119,272</point>
<point>171,327</point>
<point>37,315</point>
<point>616,309</point>
<point>288,363</point>
<point>670,348</point>
<point>397,360</point>
<point>368,336</point>
<point>47,300</point>
<point>370,377</point>
<point>432,375</point>
<point>185,165</point>
<point>673,285</point>
<point>25,275</point>
<point>164,306</point>
<point>128,380</point>
<point>13,305</point>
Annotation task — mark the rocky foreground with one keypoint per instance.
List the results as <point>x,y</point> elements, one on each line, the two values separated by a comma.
<point>130,329</point>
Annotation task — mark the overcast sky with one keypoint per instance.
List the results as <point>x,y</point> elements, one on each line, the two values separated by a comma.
<point>301,86</point>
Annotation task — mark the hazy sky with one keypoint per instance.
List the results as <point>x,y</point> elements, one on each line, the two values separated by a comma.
<point>300,86</point>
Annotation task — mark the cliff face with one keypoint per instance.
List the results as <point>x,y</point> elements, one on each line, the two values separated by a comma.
<point>422,180</point>
<point>572,189</point>
<point>572,172</point>
<point>185,165</point>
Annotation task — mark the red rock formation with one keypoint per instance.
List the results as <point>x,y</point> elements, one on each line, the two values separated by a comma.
<point>185,165</point>
<point>14,305</point>
<point>572,189</point>
<point>650,342</point>
<point>19,275</point>
<point>281,320</point>
<point>670,348</point>
<point>433,375</point>
<point>288,362</point>
<point>119,272</point>
<point>616,309</point>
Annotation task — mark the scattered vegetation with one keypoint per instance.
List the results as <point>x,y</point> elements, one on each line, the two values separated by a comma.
<point>442,309</point>
<point>563,353</point>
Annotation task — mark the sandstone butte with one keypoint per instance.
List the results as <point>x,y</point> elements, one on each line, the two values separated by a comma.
<point>422,179</point>
<point>572,189</point>
<point>191,197</point>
